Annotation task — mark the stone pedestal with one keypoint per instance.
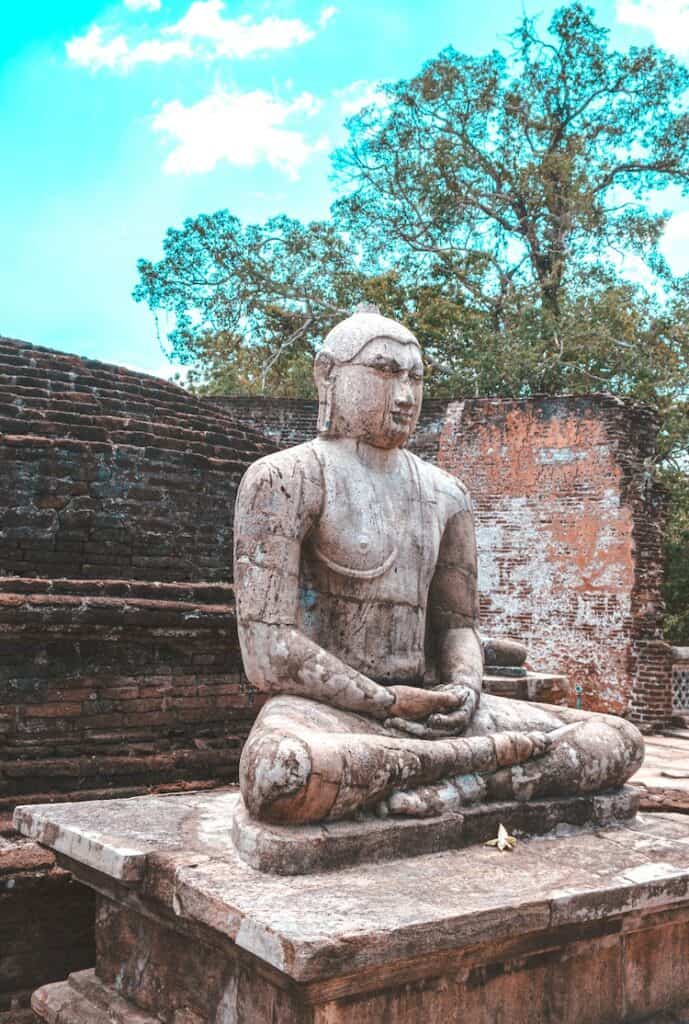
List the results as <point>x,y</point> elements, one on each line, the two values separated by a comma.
<point>577,927</point>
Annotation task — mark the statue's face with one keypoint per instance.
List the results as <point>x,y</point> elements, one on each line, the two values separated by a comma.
<point>378,394</point>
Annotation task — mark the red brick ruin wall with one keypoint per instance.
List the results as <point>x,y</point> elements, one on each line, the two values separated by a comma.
<point>569,530</point>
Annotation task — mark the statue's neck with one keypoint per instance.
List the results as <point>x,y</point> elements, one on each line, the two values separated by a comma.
<point>381,460</point>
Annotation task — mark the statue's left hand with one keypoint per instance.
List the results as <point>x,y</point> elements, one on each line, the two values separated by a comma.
<point>440,726</point>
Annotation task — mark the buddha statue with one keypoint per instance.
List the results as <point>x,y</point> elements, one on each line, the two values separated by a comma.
<point>357,605</point>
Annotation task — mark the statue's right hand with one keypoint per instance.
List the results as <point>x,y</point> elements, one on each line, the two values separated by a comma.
<point>414,703</point>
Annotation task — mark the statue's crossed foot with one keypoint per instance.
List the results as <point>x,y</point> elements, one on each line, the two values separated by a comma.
<point>460,790</point>
<point>431,801</point>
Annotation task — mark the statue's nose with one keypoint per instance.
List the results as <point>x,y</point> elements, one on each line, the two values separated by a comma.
<point>404,399</point>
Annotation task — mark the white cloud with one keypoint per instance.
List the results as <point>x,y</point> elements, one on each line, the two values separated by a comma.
<point>326,14</point>
<point>358,95</point>
<point>142,5</point>
<point>238,37</point>
<point>668,20</point>
<point>242,128</point>
<point>202,32</point>
<point>156,51</point>
<point>91,52</point>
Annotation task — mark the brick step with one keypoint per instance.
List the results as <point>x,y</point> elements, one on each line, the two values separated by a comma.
<point>226,432</point>
<point>83,997</point>
<point>73,769</point>
<point>136,439</point>
<point>69,367</point>
<point>87,610</point>
<point>129,740</point>
<point>217,462</point>
<point>64,413</point>
<point>22,367</point>
<point>81,379</point>
<point>193,593</point>
<point>191,785</point>
<point>192,773</point>
<point>148,405</point>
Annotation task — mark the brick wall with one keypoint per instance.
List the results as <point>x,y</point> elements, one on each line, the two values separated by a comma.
<point>569,523</point>
<point>119,661</point>
<point>120,670</point>
<point>107,688</point>
<point>112,474</point>
<point>46,924</point>
<point>286,421</point>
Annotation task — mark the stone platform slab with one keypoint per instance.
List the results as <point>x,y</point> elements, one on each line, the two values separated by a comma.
<point>584,926</point>
<point>118,836</point>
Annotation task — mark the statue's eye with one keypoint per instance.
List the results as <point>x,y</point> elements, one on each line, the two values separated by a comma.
<point>389,369</point>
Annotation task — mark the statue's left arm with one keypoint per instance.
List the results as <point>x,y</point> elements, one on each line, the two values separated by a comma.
<point>453,611</point>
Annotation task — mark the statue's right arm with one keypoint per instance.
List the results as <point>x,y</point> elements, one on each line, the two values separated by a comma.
<point>279,501</point>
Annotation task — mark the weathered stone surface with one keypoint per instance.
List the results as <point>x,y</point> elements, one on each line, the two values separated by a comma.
<point>91,833</point>
<point>541,687</point>
<point>84,998</point>
<point>504,652</point>
<point>357,606</point>
<point>591,927</point>
<point>663,778</point>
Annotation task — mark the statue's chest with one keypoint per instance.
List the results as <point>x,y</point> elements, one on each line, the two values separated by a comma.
<point>373,526</point>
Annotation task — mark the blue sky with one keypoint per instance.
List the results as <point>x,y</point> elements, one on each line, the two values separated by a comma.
<point>121,119</point>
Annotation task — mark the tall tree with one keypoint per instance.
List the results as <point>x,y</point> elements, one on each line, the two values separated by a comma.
<point>520,184</point>
<point>496,205</point>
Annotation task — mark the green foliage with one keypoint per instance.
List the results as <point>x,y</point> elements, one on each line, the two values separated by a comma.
<point>676,583</point>
<point>497,174</point>
<point>516,189</point>
<point>249,303</point>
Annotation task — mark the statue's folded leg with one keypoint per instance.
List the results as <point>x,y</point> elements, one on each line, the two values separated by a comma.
<point>589,751</point>
<point>308,762</point>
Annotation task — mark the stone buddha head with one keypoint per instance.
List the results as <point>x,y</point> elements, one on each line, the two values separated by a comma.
<point>369,376</point>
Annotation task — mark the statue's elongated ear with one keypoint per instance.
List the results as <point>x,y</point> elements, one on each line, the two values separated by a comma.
<point>322,368</point>
<point>325,382</point>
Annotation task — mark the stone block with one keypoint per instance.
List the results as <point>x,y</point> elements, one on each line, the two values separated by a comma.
<point>289,850</point>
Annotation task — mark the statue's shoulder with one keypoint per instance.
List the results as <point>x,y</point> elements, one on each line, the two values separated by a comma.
<point>293,475</point>
<point>446,488</point>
